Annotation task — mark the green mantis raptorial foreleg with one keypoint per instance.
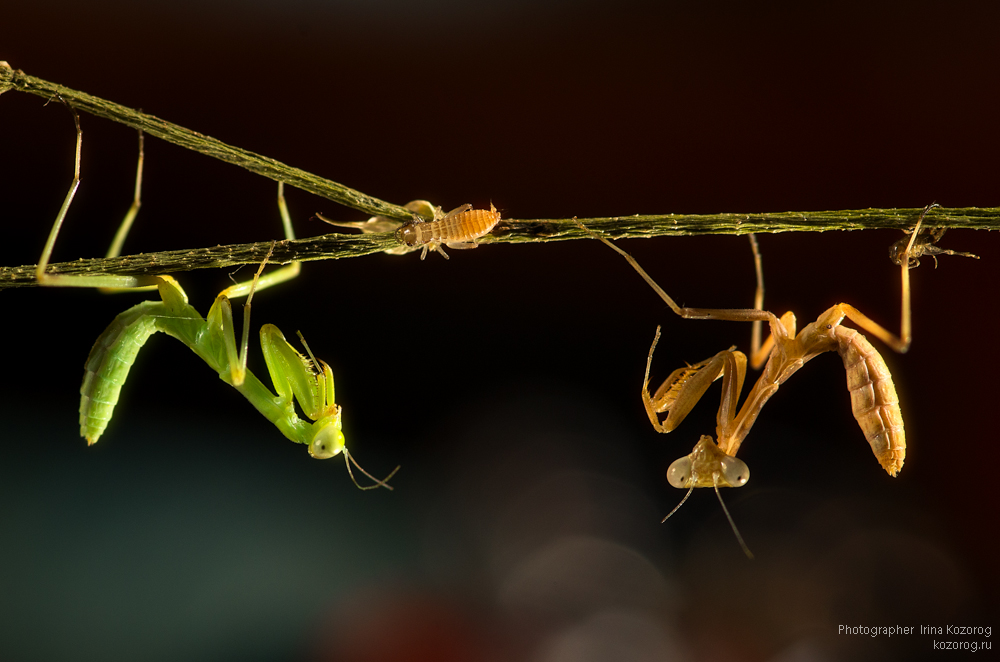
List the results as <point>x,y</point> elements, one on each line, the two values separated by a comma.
<point>295,377</point>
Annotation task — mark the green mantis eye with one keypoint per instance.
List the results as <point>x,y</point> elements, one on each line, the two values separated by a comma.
<point>679,472</point>
<point>735,472</point>
<point>329,441</point>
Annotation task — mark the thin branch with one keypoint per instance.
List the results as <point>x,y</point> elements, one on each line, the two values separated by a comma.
<point>336,246</point>
<point>11,79</point>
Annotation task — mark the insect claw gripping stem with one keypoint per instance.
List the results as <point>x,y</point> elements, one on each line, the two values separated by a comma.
<point>922,242</point>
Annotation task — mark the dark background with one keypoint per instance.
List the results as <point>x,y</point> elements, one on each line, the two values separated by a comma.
<point>525,520</point>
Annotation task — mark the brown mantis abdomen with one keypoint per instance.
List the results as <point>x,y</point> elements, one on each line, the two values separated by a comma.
<point>873,398</point>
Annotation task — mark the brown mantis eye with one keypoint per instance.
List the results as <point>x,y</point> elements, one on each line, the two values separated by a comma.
<point>679,472</point>
<point>735,471</point>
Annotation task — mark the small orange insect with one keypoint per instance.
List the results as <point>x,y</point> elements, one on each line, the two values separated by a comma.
<point>459,229</point>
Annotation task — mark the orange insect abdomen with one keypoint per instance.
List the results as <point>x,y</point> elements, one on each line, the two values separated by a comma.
<point>462,227</point>
<point>873,398</point>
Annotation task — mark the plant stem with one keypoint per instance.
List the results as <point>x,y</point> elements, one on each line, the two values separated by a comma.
<point>11,79</point>
<point>338,245</point>
<point>335,246</point>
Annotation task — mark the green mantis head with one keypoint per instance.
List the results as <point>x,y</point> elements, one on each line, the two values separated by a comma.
<point>327,439</point>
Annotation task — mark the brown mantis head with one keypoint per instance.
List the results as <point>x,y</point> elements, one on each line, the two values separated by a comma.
<point>708,466</point>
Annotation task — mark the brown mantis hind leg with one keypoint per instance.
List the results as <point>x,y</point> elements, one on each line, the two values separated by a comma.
<point>685,386</point>
<point>911,250</point>
<point>760,351</point>
<point>906,258</point>
<point>732,314</point>
<point>758,304</point>
<point>905,253</point>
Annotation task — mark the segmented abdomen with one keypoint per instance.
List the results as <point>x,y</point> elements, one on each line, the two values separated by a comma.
<point>873,398</point>
<point>465,226</point>
<point>108,364</point>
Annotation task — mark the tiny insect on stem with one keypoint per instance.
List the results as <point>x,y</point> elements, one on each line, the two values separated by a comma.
<point>459,228</point>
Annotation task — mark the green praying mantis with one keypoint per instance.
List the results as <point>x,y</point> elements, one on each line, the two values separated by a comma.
<point>213,338</point>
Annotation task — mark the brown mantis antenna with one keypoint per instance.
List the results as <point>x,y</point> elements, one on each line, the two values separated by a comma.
<point>746,550</point>
<point>678,506</point>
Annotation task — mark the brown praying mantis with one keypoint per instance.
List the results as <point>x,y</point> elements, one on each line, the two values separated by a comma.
<point>873,395</point>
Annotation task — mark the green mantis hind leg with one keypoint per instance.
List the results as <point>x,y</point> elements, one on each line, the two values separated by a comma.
<point>116,244</point>
<point>258,282</point>
<point>221,311</point>
<point>102,280</point>
<point>220,320</point>
<point>285,273</point>
<point>118,283</point>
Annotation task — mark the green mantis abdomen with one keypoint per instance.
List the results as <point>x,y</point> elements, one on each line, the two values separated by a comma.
<point>108,364</point>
